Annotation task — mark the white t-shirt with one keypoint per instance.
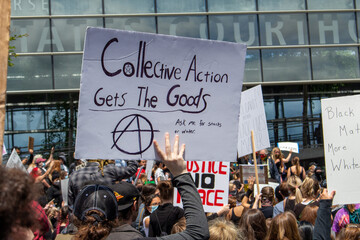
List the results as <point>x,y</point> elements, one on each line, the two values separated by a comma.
<point>159,173</point>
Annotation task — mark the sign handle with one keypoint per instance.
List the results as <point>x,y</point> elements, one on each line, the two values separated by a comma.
<point>255,163</point>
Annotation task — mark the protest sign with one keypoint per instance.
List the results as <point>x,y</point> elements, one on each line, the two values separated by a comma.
<point>287,146</point>
<point>14,161</point>
<point>64,190</point>
<point>252,118</point>
<point>247,171</point>
<point>31,143</point>
<point>341,128</point>
<point>148,169</point>
<point>212,181</point>
<point>137,86</point>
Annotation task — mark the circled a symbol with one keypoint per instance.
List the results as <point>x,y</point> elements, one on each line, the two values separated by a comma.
<point>128,69</point>
<point>133,134</point>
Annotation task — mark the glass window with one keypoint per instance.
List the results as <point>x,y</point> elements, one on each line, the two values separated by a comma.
<point>332,28</point>
<point>269,106</point>
<point>252,66</point>
<point>330,4</point>
<point>235,28</point>
<point>166,6</point>
<point>128,6</point>
<point>286,64</point>
<point>138,24</point>
<point>28,120</point>
<point>71,7</point>
<point>22,140</point>
<point>8,143</point>
<point>268,5</point>
<point>335,63</point>
<point>293,108</point>
<point>38,35</point>
<point>75,29</point>
<point>29,8</point>
<point>8,121</point>
<point>231,5</point>
<point>357,4</point>
<point>283,29</point>
<point>67,71</point>
<point>30,73</point>
<point>186,26</point>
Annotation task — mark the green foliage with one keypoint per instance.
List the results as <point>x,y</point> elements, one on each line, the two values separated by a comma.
<point>12,52</point>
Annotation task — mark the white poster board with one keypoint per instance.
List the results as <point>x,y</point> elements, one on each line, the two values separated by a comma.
<point>14,161</point>
<point>287,146</point>
<point>148,169</point>
<point>64,190</point>
<point>252,117</point>
<point>341,130</point>
<point>137,86</point>
<point>212,181</point>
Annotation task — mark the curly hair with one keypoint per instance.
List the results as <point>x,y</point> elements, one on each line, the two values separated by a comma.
<point>17,191</point>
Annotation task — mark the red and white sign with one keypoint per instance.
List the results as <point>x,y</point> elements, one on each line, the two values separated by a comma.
<point>212,181</point>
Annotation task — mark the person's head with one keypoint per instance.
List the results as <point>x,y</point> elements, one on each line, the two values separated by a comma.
<point>281,191</point>
<point>312,167</point>
<point>350,232</point>
<point>95,209</point>
<point>17,193</point>
<point>263,154</point>
<point>147,190</point>
<point>62,157</point>
<point>232,201</point>
<point>306,230</point>
<point>142,163</point>
<point>17,149</point>
<point>232,187</point>
<point>267,196</point>
<point>221,229</point>
<point>127,196</point>
<point>179,226</point>
<point>276,153</point>
<point>64,214</point>
<point>283,226</point>
<point>240,196</point>
<point>166,190</point>
<point>35,172</point>
<point>152,202</point>
<point>309,214</point>
<point>39,161</point>
<point>309,188</point>
<point>253,224</point>
<point>293,184</point>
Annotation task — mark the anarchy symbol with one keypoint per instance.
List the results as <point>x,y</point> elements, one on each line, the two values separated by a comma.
<point>130,128</point>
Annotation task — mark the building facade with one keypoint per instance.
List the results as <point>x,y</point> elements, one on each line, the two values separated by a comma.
<point>299,51</point>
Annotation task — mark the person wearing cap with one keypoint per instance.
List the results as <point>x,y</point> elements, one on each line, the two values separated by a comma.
<point>314,172</point>
<point>95,208</point>
<point>63,167</point>
<point>101,171</point>
<point>127,196</point>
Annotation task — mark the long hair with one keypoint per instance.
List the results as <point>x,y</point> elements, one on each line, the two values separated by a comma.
<point>294,184</point>
<point>296,162</point>
<point>309,188</point>
<point>281,156</point>
<point>350,232</point>
<point>93,229</point>
<point>253,225</point>
<point>309,214</point>
<point>166,190</point>
<point>283,227</point>
<point>267,195</point>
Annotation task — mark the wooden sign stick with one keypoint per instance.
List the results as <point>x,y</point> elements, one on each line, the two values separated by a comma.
<point>255,162</point>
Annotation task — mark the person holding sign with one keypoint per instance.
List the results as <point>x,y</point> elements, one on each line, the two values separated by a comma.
<point>278,157</point>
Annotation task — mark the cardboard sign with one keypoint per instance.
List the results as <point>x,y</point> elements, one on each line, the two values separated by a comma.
<point>341,128</point>
<point>252,118</point>
<point>137,86</point>
<point>247,171</point>
<point>14,161</point>
<point>148,169</point>
<point>287,146</point>
<point>31,143</point>
<point>212,182</point>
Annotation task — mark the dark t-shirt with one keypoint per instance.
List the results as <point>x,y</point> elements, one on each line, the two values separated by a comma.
<point>267,211</point>
<point>165,217</point>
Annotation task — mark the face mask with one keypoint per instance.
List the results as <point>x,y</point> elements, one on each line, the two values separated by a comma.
<point>153,208</point>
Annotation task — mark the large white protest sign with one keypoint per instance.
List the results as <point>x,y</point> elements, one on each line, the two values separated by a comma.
<point>14,161</point>
<point>148,169</point>
<point>137,86</point>
<point>252,118</point>
<point>288,146</point>
<point>212,181</point>
<point>341,127</point>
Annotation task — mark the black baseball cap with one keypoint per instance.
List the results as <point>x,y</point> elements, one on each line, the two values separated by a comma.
<point>126,194</point>
<point>313,164</point>
<point>96,197</point>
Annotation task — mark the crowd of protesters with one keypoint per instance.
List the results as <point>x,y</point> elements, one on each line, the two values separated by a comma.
<point>106,200</point>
